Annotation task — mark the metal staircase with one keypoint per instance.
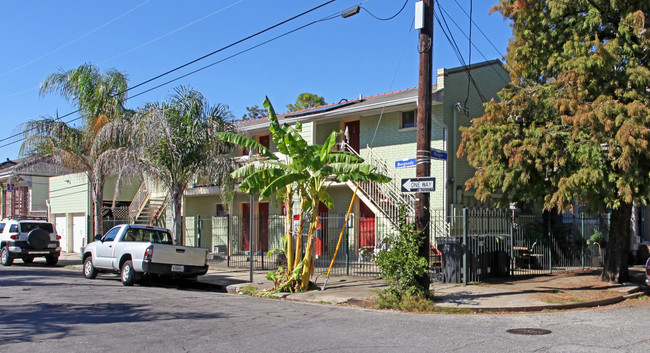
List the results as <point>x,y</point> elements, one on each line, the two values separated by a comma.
<point>386,197</point>
<point>146,206</point>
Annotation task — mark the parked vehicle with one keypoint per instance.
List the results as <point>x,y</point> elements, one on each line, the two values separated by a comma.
<point>647,272</point>
<point>26,239</point>
<point>133,250</point>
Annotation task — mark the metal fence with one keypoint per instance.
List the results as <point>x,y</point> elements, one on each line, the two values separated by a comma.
<point>488,243</point>
<point>471,245</point>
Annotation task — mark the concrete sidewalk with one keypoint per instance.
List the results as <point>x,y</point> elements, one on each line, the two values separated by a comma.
<point>563,290</point>
<point>559,291</point>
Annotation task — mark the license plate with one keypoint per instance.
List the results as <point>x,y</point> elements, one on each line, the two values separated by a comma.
<point>177,268</point>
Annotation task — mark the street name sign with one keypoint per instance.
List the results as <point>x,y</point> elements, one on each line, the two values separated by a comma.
<point>438,154</point>
<point>425,184</point>
<point>403,163</point>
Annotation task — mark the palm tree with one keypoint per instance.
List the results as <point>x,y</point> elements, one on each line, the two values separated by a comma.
<point>177,142</point>
<point>308,170</point>
<point>92,148</point>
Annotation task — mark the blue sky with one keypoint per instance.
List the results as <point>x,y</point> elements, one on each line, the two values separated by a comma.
<point>338,58</point>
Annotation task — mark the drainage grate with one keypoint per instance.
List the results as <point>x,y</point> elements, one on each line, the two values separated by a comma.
<point>529,331</point>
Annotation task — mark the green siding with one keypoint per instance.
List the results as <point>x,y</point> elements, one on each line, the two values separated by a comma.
<point>128,189</point>
<point>204,205</point>
<point>307,129</point>
<point>323,130</point>
<point>39,193</point>
<point>490,80</point>
<point>69,194</point>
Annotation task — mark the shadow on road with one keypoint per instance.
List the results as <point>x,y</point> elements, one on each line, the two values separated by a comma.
<point>30,323</point>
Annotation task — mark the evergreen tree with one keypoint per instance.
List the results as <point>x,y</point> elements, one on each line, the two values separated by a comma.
<point>575,124</point>
<point>254,112</point>
<point>306,101</point>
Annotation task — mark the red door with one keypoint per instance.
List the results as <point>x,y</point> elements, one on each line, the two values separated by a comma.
<point>353,134</point>
<point>263,227</point>
<point>366,228</point>
<point>245,226</point>
<point>265,141</point>
<point>321,233</point>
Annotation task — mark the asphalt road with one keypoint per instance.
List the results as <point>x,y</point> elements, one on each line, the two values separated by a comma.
<point>54,309</point>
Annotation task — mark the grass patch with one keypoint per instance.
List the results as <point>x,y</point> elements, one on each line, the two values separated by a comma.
<point>388,299</point>
<point>248,290</point>
<point>391,299</point>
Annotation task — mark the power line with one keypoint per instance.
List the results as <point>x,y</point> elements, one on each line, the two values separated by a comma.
<point>139,46</point>
<point>450,38</point>
<point>196,60</point>
<point>383,108</point>
<point>469,58</point>
<point>74,40</point>
<point>236,54</point>
<point>172,32</point>
<point>479,29</point>
<point>451,18</point>
<point>388,18</point>
<point>229,45</point>
<point>14,10</point>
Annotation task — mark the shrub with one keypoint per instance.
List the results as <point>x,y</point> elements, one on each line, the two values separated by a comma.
<point>401,266</point>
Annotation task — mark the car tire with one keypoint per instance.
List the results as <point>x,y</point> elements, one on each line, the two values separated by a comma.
<point>127,274</point>
<point>5,257</point>
<point>90,271</point>
<point>52,259</point>
<point>38,238</point>
<point>28,259</point>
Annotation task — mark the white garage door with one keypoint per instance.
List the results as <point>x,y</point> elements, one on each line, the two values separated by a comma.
<point>61,225</point>
<point>78,232</point>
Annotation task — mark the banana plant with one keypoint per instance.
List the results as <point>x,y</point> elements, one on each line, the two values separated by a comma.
<point>307,170</point>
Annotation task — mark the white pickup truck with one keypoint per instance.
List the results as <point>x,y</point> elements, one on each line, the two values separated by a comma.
<point>134,250</point>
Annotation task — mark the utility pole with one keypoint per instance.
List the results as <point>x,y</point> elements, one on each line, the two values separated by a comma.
<point>423,155</point>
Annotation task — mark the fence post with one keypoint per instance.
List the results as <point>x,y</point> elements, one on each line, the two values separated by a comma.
<point>550,244</point>
<point>512,242</point>
<point>347,250</point>
<point>465,223</point>
<point>228,230</point>
<point>582,243</point>
<point>260,231</point>
<point>198,230</point>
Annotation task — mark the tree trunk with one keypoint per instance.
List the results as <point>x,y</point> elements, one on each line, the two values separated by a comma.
<point>616,256</point>
<point>176,201</point>
<point>299,232</point>
<point>309,254</point>
<point>97,187</point>
<point>289,214</point>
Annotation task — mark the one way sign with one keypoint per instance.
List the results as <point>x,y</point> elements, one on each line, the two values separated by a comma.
<point>427,184</point>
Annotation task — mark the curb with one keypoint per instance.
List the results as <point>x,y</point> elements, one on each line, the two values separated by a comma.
<point>367,304</point>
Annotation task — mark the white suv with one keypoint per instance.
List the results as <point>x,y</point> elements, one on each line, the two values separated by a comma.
<point>27,239</point>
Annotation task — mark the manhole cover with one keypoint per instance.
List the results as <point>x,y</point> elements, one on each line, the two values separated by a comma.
<point>529,331</point>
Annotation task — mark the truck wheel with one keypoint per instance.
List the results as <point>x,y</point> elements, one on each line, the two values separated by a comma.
<point>90,271</point>
<point>5,257</point>
<point>129,277</point>
<point>28,259</point>
<point>51,259</point>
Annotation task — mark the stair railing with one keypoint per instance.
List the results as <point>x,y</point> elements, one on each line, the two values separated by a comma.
<point>138,203</point>
<point>387,196</point>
